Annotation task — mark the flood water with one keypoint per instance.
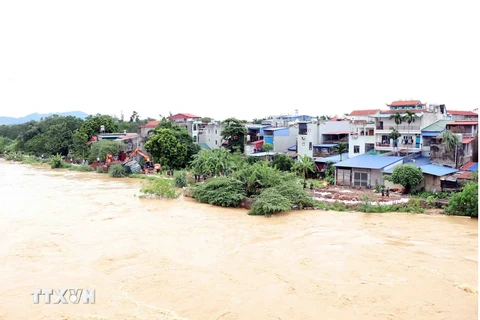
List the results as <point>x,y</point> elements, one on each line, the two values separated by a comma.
<point>177,259</point>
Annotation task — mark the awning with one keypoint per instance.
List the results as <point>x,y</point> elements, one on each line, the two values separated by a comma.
<point>467,140</point>
<point>257,143</point>
<point>292,148</point>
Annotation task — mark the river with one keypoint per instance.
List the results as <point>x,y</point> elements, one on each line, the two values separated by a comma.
<point>177,259</point>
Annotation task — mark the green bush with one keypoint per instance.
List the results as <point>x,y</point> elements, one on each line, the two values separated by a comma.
<point>82,168</point>
<point>407,175</point>
<point>100,169</point>
<point>160,188</point>
<point>15,156</point>
<point>295,193</point>
<point>221,191</point>
<point>180,179</point>
<point>430,201</point>
<point>117,171</point>
<point>270,202</point>
<point>56,162</point>
<point>464,203</point>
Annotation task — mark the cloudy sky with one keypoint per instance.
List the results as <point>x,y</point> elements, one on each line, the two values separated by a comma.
<point>236,58</point>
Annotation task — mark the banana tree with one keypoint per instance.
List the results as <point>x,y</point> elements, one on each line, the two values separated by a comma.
<point>304,165</point>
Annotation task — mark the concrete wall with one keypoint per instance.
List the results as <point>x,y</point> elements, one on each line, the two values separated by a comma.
<point>211,134</point>
<point>431,183</point>
<point>285,140</point>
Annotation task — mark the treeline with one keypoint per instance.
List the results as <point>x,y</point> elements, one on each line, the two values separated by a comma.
<point>169,144</point>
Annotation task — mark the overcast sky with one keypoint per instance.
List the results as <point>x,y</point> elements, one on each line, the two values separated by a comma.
<point>245,58</point>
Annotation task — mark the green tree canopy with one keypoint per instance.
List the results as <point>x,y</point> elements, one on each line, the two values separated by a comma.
<point>92,124</point>
<point>234,133</point>
<point>100,149</point>
<point>408,176</point>
<point>283,162</point>
<point>167,149</point>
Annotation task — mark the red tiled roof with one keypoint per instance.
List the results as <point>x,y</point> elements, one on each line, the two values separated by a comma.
<point>460,123</point>
<point>462,113</point>
<point>467,140</point>
<point>128,136</point>
<point>406,103</point>
<point>403,111</point>
<point>467,166</point>
<point>465,175</point>
<point>151,124</point>
<point>183,115</point>
<point>364,112</point>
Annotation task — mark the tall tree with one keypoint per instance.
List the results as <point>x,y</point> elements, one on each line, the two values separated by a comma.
<point>92,124</point>
<point>167,149</point>
<point>397,117</point>
<point>234,133</point>
<point>409,117</point>
<point>134,117</point>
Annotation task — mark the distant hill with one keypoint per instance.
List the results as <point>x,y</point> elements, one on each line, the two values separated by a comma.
<point>38,116</point>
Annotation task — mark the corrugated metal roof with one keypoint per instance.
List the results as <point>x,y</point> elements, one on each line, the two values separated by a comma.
<point>335,158</point>
<point>205,146</point>
<point>419,162</point>
<point>369,162</point>
<point>338,132</point>
<point>438,171</point>
<point>462,123</point>
<point>326,145</point>
<point>438,126</point>
<point>292,148</point>
<point>467,140</point>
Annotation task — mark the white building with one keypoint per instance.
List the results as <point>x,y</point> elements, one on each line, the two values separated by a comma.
<point>362,138</point>
<point>210,136</point>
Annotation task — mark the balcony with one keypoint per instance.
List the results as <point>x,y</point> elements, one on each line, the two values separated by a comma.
<point>404,128</point>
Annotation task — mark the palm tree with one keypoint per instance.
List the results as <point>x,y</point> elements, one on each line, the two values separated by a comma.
<point>304,165</point>
<point>451,141</point>
<point>398,118</point>
<point>409,117</point>
<point>341,149</point>
<point>394,135</point>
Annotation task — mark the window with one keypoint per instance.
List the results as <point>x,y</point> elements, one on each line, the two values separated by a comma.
<point>302,128</point>
<point>194,127</point>
<point>215,131</point>
<point>216,142</point>
<point>303,144</point>
<point>194,138</point>
<point>356,149</point>
<point>310,145</point>
<point>360,179</point>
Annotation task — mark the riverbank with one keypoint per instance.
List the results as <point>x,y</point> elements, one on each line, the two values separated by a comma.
<point>327,198</point>
<point>180,259</point>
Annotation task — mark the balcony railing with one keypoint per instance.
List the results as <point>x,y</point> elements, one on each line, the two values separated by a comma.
<point>400,127</point>
<point>322,155</point>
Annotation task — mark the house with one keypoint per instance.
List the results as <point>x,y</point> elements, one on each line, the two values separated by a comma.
<point>467,132</point>
<point>210,136</point>
<point>362,126</point>
<point>280,138</point>
<point>255,136</point>
<point>410,139</point>
<point>364,170</point>
<point>457,115</point>
<point>181,118</point>
<point>146,130</point>
<point>466,171</point>
<point>311,135</point>
<point>430,132</point>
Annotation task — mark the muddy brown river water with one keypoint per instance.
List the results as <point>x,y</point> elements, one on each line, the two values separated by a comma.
<point>177,259</point>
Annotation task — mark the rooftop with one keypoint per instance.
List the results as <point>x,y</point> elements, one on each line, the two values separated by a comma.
<point>364,112</point>
<point>419,162</point>
<point>326,145</point>
<point>335,158</point>
<point>183,115</point>
<point>204,146</point>
<point>369,162</point>
<point>406,103</point>
<point>462,123</point>
<point>261,154</point>
<point>151,124</point>
<point>461,113</point>
<point>467,140</point>
<point>470,166</point>
<point>438,126</point>
<point>337,132</point>
<point>438,171</point>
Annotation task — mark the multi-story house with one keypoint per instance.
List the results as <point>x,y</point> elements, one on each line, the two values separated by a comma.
<point>362,138</point>
<point>255,137</point>
<point>146,131</point>
<point>410,139</point>
<point>458,115</point>
<point>210,136</point>
<point>281,137</point>
<point>317,139</point>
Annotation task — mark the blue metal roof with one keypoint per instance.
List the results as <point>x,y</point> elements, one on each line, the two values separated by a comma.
<point>419,162</point>
<point>275,129</point>
<point>438,171</point>
<point>335,158</point>
<point>326,145</point>
<point>292,148</point>
<point>474,167</point>
<point>369,162</point>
